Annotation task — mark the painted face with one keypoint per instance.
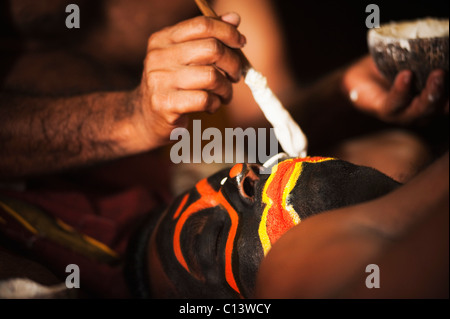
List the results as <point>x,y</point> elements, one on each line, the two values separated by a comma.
<point>211,241</point>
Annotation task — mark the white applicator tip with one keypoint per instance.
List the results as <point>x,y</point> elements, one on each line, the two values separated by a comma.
<point>288,132</point>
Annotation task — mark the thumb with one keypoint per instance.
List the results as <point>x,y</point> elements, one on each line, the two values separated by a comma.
<point>231,18</point>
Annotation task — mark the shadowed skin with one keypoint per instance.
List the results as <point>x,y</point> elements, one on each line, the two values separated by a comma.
<point>210,242</point>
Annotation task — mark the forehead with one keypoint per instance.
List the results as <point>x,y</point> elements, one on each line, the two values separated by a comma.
<point>285,174</point>
<point>279,215</point>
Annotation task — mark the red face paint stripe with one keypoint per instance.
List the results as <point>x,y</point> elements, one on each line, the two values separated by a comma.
<point>180,207</point>
<point>276,218</point>
<point>207,194</point>
<point>208,198</point>
<point>277,221</point>
<point>229,275</point>
<point>236,170</point>
<point>313,159</point>
<point>192,209</point>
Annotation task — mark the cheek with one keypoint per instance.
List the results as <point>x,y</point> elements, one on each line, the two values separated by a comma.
<point>249,253</point>
<point>160,285</point>
<point>202,243</point>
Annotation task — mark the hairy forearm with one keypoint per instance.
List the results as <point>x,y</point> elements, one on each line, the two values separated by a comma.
<point>46,134</point>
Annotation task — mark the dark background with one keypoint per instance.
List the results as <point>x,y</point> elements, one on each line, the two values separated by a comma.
<point>324,35</point>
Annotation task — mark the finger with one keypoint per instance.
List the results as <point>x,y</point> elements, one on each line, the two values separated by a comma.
<point>193,101</point>
<point>366,87</point>
<point>431,100</point>
<point>399,96</point>
<point>370,96</point>
<point>205,78</point>
<point>232,18</point>
<point>199,52</point>
<point>434,91</point>
<point>198,28</point>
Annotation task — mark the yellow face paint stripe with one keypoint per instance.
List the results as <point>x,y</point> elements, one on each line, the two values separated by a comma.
<point>288,189</point>
<point>262,230</point>
<point>268,201</point>
<point>290,186</point>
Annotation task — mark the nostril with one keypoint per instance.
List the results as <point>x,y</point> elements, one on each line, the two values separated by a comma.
<point>255,169</point>
<point>245,177</point>
<point>248,186</point>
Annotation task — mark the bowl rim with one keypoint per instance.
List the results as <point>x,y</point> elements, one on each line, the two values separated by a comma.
<point>374,33</point>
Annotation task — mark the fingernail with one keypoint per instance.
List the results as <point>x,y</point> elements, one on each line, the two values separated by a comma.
<point>437,82</point>
<point>242,40</point>
<point>232,18</point>
<point>407,78</point>
<point>432,97</point>
<point>436,87</point>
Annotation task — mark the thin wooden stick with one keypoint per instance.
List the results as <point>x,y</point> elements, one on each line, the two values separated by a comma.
<point>287,131</point>
<point>207,11</point>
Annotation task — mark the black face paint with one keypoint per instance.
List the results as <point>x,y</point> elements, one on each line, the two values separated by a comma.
<point>209,241</point>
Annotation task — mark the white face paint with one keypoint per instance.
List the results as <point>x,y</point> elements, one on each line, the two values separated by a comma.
<point>275,159</point>
<point>223,180</point>
<point>354,95</point>
<point>291,137</point>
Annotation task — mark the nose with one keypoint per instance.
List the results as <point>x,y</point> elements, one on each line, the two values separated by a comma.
<point>246,176</point>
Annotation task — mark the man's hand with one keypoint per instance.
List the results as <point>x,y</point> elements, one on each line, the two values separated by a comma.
<point>371,92</point>
<point>189,67</point>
